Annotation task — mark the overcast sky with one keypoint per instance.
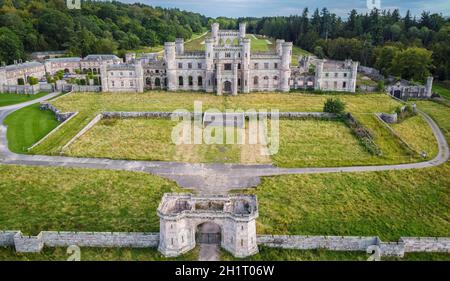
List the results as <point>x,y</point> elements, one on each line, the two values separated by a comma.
<point>259,8</point>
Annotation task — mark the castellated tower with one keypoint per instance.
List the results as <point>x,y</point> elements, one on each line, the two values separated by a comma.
<point>279,47</point>
<point>209,60</point>
<point>428,86</point>
<point>242,29</point>
<point>139,70</point>
<point>246,47</point>
<point>2,78</point>
<point>286,58</point>
<point>319,71</point>
<point>104,77</point>
<point>215,32</point>
<point>179,46</point>
<point>354,76</point>
<point>169,57</point>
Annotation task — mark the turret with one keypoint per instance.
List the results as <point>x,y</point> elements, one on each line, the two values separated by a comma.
<point>242,29</point>
<point>286,58</point>
<point>246,47</point>
<point>104,77</point>
<point>319,71</point>
<point>130,57</point>
<point>215,32</point>
<point>179,46</point>
<point>170,59</point>
<point>2,78</point>
<point>209,55</point>
<point>279,47</point>
<point>139,70</point>
<point>429,86</point>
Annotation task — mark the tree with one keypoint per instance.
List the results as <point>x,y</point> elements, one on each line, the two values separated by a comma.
<point>11,47</point>
<point>32,80</point>
<point>413,63</point>
<point>334,106</point>
<point>384,58</point>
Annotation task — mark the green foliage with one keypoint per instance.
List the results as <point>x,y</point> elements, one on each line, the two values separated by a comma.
<point>412,63</point>
<point>380,86</point>
<point>334,106</point>
<point>11,47</point>
<point>32,80</point>
<point>20,81</point>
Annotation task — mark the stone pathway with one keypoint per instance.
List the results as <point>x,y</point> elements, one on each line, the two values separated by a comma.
<point>209,252</point>
<point>206,178</point>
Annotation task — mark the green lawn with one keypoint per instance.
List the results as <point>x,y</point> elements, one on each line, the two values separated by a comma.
<point>33,199</point>
<point>27,126</point>
<point>9,99</point>
<point>276,254</point>
<point>442,89</point>
<point>96,254</point>
<point>389,204</point>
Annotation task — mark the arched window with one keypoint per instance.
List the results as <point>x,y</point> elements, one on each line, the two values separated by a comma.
<point>180,81</point>
<point>266,81</point>
<point>275,80</point>
<point>221,42</point>
<point>148,81</point>
<point>255,80</point>
<point>228,42</point>
<point>200,81</point>
<point>157,82</point>
<point>236,42</point>
<point>191,81</point>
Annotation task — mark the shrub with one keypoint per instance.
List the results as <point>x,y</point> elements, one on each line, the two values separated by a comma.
<point>334,106</point>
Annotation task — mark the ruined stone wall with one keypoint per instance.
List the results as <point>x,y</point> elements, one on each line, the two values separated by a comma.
<point>60,116</point>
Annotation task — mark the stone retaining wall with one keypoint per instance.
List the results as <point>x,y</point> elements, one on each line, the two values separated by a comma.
<point>284,115</point>
<point>60,116</point>
<point>84,130</point>
<point>28,244</point>
<point>7,238</point>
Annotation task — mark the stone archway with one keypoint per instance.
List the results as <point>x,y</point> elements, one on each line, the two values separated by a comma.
<point>181,215</point>
<point>208,233</point>
<point>227,88</point>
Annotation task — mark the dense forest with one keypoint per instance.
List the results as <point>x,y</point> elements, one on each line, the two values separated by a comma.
<point>400,45</point>
<point>99,27</point>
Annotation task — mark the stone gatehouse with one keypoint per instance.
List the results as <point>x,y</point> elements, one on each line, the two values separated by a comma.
<point>181,216</point>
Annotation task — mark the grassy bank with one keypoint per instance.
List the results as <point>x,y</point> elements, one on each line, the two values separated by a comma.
<point>27,126</point>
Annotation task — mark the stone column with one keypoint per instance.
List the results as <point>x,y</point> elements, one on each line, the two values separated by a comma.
<point>219,79</point>
<point>235,79</point>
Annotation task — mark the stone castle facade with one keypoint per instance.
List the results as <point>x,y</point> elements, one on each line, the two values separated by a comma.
<point>226,66</point>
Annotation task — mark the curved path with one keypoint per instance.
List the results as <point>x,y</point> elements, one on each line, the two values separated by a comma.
<point>207,178</point>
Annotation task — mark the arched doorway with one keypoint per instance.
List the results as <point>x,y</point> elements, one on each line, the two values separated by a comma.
<point>227,87</point>
<point>208,233</point>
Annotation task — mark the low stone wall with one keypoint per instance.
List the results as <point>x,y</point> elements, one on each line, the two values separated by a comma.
<point>60,116</point>
<point>350,243</point>
<point>86,88</point>
<point>100,239</point>
<point>27,89</point>
<point>426,244</point>
<point>84,130</point>
<point>334,243</point>
<point>28,244</point>
<point>7,238</point>
<point>283,115</point>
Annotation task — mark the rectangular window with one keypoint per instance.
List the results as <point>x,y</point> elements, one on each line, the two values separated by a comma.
<point>345,74</point>
<point>227,66</point>
<point>344,85</point>
<point>266,65</point>
<point>190,65</point>
<point>336,75</point>
<point>256,66</point>
<point>180,65</point>
<point>199,66</point>
<point>275,65</point>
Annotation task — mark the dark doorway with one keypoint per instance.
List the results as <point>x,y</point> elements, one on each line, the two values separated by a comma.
<point>208,233</point>
<point>227,87</point>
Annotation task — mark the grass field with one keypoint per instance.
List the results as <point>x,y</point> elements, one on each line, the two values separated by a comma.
<point>34,199</point>
<point>274,254</point>
<point>390,204</point>
<point>28,125</point>
<point>96,254</point>
<point>442,89</point>
<point>9,99</point>
<point>362,106</point>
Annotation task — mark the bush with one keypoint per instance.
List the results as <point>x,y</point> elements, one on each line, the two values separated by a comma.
<point>334,106</point>
<point>380,86</point>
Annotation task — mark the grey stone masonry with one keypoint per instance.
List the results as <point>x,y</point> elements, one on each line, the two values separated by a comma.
<point>354,243</point>
<point>7,238</point>
<point>335,243</point>
<point>28,244</point>
<point>100,239</point>
<point>60,116</point>
<point>426,244</point>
